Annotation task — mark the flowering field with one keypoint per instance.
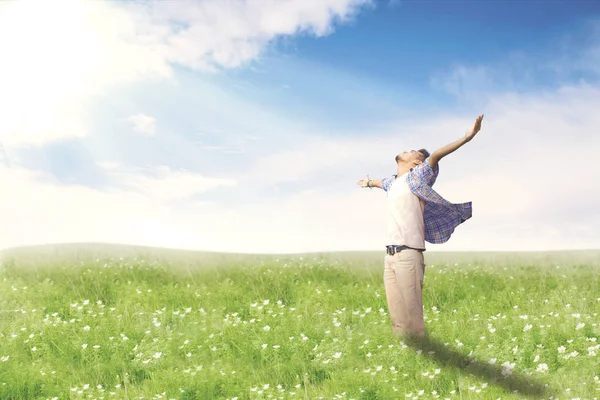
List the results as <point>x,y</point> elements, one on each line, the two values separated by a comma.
<point>298,327</point>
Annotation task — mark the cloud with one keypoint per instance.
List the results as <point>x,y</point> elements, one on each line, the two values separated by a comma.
<point>73,212</point>
<point>143,124</point>
<point>55,54</point>
<point>58,55</point>
<point>310,155</point>
<point>4,160</point>
<point>215,34</point>
<point>530,173</point>
<point>163,184</point>
<point>576,58</point>
<point>141,207</point>
<point>109,165</point>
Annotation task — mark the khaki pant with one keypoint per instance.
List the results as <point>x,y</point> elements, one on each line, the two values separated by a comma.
<point>403,278</point>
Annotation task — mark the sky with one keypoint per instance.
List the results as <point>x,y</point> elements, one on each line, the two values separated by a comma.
<point>244,126</point>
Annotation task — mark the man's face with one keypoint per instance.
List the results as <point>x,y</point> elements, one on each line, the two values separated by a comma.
<point>412,156</point>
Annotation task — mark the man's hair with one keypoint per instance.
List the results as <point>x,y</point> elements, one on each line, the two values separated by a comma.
<point>422,151</point>
<point>425,153</point>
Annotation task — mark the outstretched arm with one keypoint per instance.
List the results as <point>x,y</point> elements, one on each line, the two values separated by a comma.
<point>370,183</point>
<point>440,153</point>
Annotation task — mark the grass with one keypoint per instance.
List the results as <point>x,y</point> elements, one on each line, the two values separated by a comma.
<point>156,326</point>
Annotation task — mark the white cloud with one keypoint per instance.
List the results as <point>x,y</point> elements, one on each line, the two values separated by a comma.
<point>530,173</point>
<point>56,55</point>
<point>4,160</point>
<point>322,157</point>
<point>143,124</point>
<point>41,210</point>
<point>229,34</point>
<point>163,184</point>
<point>108,165</point>
<point>577,54</point>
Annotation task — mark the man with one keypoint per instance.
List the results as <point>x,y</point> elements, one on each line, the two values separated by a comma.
<point>417,214</point>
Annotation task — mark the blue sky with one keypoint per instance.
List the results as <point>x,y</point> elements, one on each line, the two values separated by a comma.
<point>395,51</point>
<point>260,129</point>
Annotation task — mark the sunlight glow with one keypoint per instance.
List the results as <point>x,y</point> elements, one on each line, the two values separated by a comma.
<point>50,56</point>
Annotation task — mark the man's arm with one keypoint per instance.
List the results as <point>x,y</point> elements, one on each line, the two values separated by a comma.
<point>370,183</point>
<point>442,152</point>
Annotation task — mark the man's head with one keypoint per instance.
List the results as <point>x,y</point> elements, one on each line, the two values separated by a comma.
<point>414,157</point>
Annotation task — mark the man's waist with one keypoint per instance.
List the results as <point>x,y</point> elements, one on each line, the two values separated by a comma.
<point>394,248</point>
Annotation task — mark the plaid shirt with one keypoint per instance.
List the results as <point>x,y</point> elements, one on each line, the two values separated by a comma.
<point>440,216</point>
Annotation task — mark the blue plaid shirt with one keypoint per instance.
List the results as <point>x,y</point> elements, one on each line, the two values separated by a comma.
<point>440,216</point>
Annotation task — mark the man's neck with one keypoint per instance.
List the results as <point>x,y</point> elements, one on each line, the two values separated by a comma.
<point>403,168</point>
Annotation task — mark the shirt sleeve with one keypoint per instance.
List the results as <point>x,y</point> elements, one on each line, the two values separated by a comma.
<point>424,173</point>
<point>387,182</point>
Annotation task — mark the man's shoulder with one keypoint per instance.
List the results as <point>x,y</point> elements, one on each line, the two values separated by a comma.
<point>425,169</point>
<point>423,174</point>
<point>426,165</point>
<point>386,182</point>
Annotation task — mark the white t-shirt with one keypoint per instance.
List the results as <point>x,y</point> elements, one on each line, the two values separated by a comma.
<point>406,226</point>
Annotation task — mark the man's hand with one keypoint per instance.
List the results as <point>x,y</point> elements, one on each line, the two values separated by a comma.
<point>442,152</point>
<point>370,183</point>
<point>364,182</point>
<point>476,128</point>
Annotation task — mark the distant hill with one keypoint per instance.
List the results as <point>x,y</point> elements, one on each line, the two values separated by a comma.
<point>53,254</point>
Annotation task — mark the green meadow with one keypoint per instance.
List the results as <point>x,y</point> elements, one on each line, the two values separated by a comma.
<point>111,322</point>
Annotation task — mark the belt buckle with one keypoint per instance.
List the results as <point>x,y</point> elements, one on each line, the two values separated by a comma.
<point>393,249</point>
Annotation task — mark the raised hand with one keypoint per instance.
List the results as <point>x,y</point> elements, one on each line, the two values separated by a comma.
<point>476,128</point>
